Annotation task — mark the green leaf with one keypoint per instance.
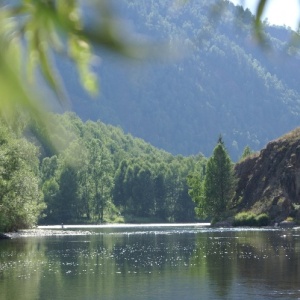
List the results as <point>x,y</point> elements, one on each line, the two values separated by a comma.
<point>258,23</point>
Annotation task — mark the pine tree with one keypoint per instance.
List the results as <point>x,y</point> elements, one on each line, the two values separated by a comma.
<point>246,153</point>
<point>219,183</point>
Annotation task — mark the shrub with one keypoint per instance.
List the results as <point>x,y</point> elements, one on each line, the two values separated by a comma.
<point>263,220</point>
<point>244,219</point>
<point>289,219</point>
<point>250,219</point>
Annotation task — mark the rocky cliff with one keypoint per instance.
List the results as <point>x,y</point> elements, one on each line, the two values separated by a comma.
<point>269,181</point>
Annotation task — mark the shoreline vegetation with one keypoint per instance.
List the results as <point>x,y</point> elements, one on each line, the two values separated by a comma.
<point>116,177</point>
<point>75,230</point>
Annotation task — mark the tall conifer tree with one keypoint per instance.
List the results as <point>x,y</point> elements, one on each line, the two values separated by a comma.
<point>219,183</point>
<point>213,194</point>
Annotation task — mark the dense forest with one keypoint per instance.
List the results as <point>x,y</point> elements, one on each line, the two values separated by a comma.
<point>212,78</point>
<point>98,175</point>
<point>209,80</point>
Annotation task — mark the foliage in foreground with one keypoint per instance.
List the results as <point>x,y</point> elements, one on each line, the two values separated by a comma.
<point>32,31</point>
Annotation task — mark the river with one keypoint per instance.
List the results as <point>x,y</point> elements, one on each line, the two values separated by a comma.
<point>153,262</point>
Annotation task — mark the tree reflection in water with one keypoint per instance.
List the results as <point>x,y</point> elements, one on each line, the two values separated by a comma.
<point>176,263</point>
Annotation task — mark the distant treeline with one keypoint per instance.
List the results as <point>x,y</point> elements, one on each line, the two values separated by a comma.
<point>98,175</point>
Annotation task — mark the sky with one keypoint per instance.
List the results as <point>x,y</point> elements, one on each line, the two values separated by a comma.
<point>279,12</point>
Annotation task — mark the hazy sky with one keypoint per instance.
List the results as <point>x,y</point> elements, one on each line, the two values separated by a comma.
<point>280,12</point>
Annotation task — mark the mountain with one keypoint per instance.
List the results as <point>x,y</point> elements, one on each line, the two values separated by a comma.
<point>269,182</point>
<point>214,79</point>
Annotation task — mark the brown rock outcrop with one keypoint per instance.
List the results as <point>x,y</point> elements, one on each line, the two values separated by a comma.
<point>270,180</point>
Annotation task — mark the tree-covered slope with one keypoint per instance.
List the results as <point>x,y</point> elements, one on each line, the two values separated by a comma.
<point>98,175</point>
<point>102,175</point>
<point>214,79</point>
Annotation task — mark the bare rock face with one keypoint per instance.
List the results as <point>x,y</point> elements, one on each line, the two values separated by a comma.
<point>290,173</point>
<point>270,180</point>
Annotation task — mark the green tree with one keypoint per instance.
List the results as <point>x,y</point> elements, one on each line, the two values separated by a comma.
<point>51,193</point>
<point>101,169</point>
<point>21,201</point>
<point>219,183</point>
<point>143,192</point>
<point>247,152</point>
<point>119,185</point>
<point>68,195</point>
<point>49,168</point>
<point>160,195</point>
<point>195,182</point>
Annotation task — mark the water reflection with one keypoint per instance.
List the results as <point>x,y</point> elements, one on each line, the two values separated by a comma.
<point>166,263</point>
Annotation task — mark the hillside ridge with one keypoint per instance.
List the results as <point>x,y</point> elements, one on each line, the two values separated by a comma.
<point>221,83</point>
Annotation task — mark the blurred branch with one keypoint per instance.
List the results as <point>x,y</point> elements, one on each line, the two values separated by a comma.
<point>258,22</point>
<point>31,32</point>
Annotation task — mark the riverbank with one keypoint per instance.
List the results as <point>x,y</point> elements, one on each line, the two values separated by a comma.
<point>72,230</point>
<point>42,233</point>
<point>63,230</point>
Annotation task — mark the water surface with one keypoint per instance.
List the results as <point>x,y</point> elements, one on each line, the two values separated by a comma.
<point>154,262</point>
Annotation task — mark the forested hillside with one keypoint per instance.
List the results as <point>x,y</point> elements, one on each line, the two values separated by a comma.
<point>98,174</point>
<point>210,79</point>
<point>215,79</point>
<point>104,175</point>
